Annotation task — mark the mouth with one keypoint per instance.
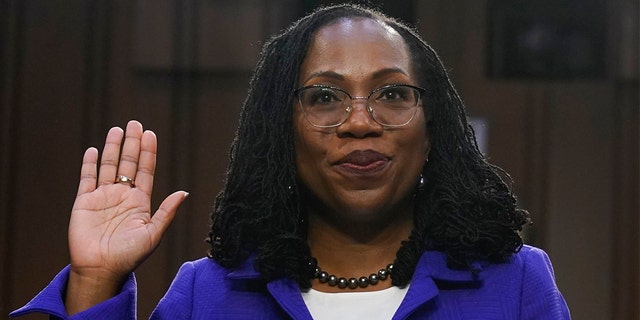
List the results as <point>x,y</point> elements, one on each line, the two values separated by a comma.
<point>363,162</point>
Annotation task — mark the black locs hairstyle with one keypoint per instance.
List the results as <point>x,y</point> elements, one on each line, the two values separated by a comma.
<point>464,210</point>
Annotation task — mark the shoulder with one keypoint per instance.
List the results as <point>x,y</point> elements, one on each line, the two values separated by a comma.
<point>203,289</point>
<point>196,282</point>
<point>530,277</point>
<point>203,269</point>
<point>528,262</point>
<point>535,266</point>
<point>540,296</point>
<point>528,259</point>
<point>206,272</point>
<point>532,260</point>
<point>531,252</point>
<point>202,264</point>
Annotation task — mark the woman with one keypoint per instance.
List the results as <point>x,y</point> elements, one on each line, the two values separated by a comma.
<point>355,191</point>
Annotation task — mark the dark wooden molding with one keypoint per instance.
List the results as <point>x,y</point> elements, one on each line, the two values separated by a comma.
<point>12,15</point>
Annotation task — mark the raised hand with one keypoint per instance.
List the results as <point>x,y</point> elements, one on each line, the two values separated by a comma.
<point>112,230</point>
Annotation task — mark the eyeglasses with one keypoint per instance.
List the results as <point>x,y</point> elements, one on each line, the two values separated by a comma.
<point>391,106</point>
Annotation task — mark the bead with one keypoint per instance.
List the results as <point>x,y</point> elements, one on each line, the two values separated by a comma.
<point>383,274</point>
<point>333,280</point>
<point>353,283</point>
<point>323,277</point>
<point>373,279</point>
<point>363,282</point>
<point>390,268</point>
<point>342,283</point>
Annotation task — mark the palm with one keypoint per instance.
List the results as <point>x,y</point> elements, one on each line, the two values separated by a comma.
<point>112,229</point>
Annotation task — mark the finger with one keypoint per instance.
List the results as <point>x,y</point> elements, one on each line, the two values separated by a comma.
<point>128,165</point>
<point>147,162</point>
<point>88,172</point>
<point>110,156</point>
<point>165,213</point>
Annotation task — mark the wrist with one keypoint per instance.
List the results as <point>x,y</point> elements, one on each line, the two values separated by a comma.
<point>87,288</point>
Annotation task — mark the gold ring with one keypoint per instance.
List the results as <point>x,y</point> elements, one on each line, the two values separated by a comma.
<point>125,179</point>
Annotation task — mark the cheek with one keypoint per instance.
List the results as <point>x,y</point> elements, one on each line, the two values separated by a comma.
<point>300,145</point>
<point>309,148</point>
<point>417,153</point>
<point>311,164</point>
<point>303,152</point>
<point>419,141</point>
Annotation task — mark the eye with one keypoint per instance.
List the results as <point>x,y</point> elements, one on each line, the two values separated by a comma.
<point>321,96</point>
<point>394,94</point>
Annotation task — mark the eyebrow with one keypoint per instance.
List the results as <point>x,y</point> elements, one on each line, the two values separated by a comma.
<point>376,75</point>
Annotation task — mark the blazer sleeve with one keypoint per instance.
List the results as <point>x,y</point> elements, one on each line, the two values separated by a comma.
<point>51,301</point>
<point>541,298</point>
<point>177,303</point>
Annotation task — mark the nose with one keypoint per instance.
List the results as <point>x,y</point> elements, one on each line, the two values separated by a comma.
<point>360,123</point>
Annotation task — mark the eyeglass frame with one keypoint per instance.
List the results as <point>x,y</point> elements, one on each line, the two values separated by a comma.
<point>349,108</point>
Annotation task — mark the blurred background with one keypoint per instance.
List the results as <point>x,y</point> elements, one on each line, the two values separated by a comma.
<point>552,86</point>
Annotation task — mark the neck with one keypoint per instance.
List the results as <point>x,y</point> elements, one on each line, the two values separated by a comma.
<point>356,249</point>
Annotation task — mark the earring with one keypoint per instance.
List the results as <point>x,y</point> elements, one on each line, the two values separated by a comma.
<point>419,185</point>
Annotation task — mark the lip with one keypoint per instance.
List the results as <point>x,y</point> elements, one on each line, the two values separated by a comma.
<point>363,162</point>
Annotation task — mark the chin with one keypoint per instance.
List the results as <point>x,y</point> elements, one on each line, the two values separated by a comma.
<point>374,211</point>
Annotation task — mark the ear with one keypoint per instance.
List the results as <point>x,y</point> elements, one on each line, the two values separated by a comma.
<point>427,146</point>
<point>427,138</point>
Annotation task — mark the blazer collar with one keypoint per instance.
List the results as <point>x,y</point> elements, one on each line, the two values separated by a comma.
<point>430,277</point>
<point>432,264</point>
<point>245,271</point>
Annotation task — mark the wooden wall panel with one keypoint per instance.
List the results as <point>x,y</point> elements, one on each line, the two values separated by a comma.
<point>557,139</point>
<point>626,207</point>
<point>580,189</point>
<point>72,70</point>
<point>626,174</point>
<point>11,46</point>
<point>48,116</point>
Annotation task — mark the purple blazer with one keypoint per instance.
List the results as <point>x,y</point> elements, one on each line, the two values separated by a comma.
<point>522,288</point>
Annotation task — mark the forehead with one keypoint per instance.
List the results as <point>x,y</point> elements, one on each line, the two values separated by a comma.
<point>355,46</point>
<point>358,28</point>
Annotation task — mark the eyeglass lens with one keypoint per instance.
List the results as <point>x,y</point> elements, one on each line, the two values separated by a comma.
<point>390,105</point>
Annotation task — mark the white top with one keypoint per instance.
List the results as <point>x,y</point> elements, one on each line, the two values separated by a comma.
<point>371,305</point>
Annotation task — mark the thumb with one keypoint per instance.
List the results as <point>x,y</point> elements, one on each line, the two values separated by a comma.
<point>167,211</point>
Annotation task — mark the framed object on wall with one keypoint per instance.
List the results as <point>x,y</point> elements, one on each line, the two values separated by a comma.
<point>551,39</point>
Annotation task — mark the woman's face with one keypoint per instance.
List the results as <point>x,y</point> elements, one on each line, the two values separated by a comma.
<point>359,169</point>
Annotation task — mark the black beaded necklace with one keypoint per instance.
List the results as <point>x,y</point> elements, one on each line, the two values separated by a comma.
<point>351,283</point>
